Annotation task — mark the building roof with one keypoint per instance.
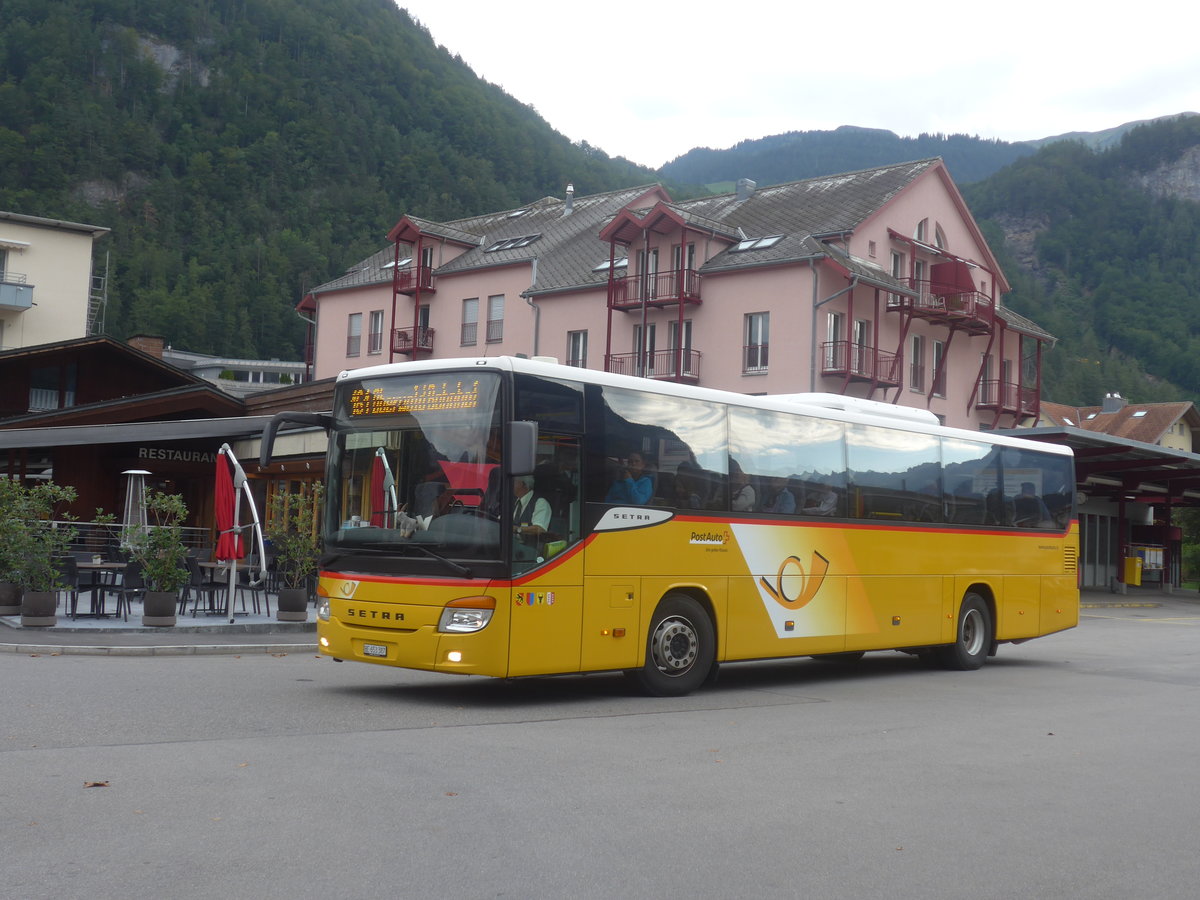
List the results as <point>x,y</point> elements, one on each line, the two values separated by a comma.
<point>567,247</point>
<point>1145,422</point>
<point>38,222</point>
<point>802,221</point>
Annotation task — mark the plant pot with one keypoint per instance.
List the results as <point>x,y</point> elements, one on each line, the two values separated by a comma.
<point>39,609</point>
<point>292,605</point>
<point>10,599</point>
<point>158,608</point>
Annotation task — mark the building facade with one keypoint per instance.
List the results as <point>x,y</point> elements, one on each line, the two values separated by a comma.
<point>49,290</point>
<point>876,284</point>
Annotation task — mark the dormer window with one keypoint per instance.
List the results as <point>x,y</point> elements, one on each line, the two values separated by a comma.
<point>621,262</point>
<point>1139,413</point>
<point>512,243</point>
<point>761,243</point>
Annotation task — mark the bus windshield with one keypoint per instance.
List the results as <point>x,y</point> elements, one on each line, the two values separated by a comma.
<point>415,467</point>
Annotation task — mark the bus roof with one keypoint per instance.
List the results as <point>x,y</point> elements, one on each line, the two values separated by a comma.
<point>822,405</point>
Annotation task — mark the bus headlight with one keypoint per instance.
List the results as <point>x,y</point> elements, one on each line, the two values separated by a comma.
<point>323,609</point>
<point>467,614</point>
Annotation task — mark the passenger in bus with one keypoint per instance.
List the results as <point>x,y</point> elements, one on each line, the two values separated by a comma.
<point>531,512</point>
<point>633,484</point>
<point>741,493</point>
<point>1028,508</point>
<point>782,501</point>
<point>819,500</point>
<point>686,495</point>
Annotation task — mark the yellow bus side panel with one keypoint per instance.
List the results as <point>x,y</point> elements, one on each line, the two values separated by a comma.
<point>546,616</point>
<point>1060,603</point>
<point>1020,610</point>
<point>612,629</point>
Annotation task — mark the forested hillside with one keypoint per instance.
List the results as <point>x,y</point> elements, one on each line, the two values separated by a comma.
<point>1103,250</point>
<point>810,154</point>
<point>242,150</point>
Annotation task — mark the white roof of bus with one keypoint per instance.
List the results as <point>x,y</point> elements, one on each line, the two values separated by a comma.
<point>830,406</point>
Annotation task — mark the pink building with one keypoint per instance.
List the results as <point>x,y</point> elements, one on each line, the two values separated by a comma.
<point>876,284</point>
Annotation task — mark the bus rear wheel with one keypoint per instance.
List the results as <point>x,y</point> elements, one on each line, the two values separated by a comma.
<point>680,648</point>
<point>973,638</point>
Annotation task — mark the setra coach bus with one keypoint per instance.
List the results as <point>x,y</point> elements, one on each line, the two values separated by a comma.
<point>512,517</point>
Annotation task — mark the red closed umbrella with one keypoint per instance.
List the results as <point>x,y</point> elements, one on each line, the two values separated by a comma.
<point>229,542</point>
<point>377,498</point>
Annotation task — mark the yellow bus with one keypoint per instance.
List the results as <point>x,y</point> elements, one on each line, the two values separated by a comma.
<point>511,517</point>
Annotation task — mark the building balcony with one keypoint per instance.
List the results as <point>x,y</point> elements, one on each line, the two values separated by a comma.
<point>854,362</point>
<point>1007,397</point>
<point>657,290</point>
<point>661,364</point>
<point>410,279</point>
<point>412,341</point>
<point>15,294</point>
<point>948,305</point>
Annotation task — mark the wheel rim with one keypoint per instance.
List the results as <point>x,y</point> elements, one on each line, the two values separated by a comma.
<point>972,632</point>
<point>674,646</point>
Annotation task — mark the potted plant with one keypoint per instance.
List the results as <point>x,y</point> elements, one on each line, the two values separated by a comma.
<point>293,532</point>
<point>41,542</point>
<point>13,528</point>
<point>159,550</point>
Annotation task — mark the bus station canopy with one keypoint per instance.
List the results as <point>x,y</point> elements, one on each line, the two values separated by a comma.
<point>1116,469</point>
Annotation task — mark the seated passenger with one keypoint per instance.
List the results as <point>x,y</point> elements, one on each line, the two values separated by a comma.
<point>633,485</point>
<point>741,494</point>
<point>819,500</point>
<point>782,501</point>
<point>1028,508</point>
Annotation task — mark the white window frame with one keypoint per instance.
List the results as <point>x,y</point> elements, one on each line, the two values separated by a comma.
<point>756,343</point>
<point>469,333</point>
<point>375,332</point>
<point>577,342</point>
<point>354,334</point>
<point>495,319</point>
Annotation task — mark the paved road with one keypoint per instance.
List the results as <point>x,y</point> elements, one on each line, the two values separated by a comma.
<point>1066,767</point>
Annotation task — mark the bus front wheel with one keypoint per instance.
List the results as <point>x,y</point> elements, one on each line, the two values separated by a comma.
<point>973,638</point>
<point>680,648</point>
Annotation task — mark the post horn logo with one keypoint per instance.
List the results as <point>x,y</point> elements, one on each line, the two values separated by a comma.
<point>804,584</point>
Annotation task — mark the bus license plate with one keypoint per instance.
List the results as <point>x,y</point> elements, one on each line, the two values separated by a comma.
<point>374,650</point>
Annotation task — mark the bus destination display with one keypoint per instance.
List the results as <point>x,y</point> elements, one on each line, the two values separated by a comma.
<point>442,396</point>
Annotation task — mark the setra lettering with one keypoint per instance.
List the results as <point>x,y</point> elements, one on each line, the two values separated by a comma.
<point>381,615</point>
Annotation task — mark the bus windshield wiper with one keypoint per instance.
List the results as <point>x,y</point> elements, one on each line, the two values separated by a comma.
<point>456,568</point>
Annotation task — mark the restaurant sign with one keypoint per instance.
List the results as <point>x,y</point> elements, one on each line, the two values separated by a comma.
<point>170,454</point>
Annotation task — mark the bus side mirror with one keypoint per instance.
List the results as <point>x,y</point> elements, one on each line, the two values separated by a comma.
<point>520,447</point>
<point>272,427</point>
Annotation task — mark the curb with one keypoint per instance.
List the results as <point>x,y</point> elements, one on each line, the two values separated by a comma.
<point>159,650</point>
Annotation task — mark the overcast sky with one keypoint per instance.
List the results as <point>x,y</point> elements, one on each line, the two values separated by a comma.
<point>651,80</point>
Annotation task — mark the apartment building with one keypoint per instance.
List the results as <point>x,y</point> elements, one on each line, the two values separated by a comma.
<point>876,284</point>
<point>49,291</point>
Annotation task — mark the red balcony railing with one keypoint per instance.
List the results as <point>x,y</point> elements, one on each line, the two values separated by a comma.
<point>412,340</point>
<point>1007,397</point>
<point>860,363</point>
<point>947,304</point>
<point>659,289</point>
<point>661,364</point>
<point>411,279</point>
